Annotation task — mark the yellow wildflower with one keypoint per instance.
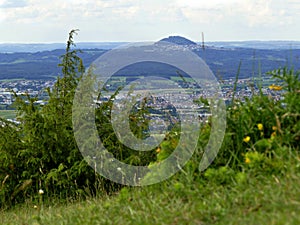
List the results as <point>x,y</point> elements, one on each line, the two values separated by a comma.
<point>247,160</point>
<point>275,87</point>
<point>273,135</point>
<point>260,126</point>
<point>246,139</point>
<point>158,150</point>
<point>274,128</point>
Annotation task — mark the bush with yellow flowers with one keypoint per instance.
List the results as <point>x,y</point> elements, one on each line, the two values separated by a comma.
<point>260,128</point>
<point>259,131</point>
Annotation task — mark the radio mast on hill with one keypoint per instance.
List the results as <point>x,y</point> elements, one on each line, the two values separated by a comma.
<point>203,46</point>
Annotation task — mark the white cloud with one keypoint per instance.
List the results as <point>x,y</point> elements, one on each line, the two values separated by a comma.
<point>268,13</point>
<point>12,3</point>
<point>251,13</point>
<point>144,19</point>
<point>211,4</point>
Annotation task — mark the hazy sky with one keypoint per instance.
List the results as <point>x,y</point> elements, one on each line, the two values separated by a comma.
<point>148,20</point>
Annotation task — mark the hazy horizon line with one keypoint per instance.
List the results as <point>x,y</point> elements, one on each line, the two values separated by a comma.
<point>104,42</point>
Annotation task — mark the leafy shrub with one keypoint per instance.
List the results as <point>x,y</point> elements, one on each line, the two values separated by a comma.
<point>261,133</point>
<point>41,153</point>
<point>262,124</point>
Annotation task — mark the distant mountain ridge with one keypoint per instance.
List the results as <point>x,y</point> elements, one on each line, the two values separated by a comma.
<point>223,58</point>
<point>257,44</point>
<point>39,47</point>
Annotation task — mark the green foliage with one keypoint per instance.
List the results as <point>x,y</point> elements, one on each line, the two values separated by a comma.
<point>10,167</point>
<point>222,175</point>
<point>263,124</point>
<point>41,152</point>
<point>42,148</point>
<point>261,132</point>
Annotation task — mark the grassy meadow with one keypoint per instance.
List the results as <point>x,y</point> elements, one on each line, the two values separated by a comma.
<point>259,199</point>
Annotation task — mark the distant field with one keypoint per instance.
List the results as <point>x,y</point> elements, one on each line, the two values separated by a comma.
<point>11,80</point>
<point>7,114</point>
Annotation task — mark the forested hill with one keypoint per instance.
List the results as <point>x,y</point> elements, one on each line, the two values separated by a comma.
<point>178,40</point>
<point>224,62</point>
<point>39,65</point>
